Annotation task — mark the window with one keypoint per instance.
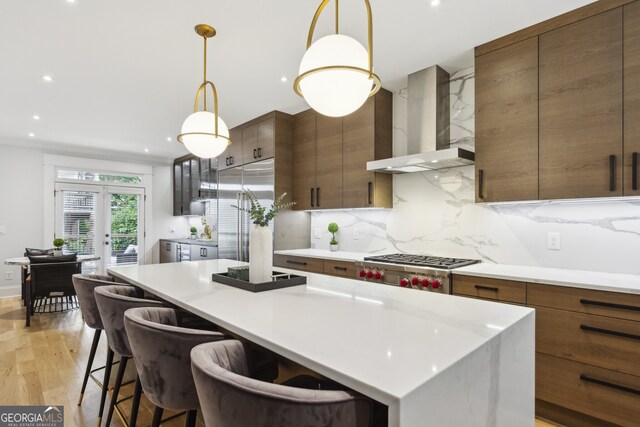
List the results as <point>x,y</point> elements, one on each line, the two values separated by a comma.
<point>76,175</point>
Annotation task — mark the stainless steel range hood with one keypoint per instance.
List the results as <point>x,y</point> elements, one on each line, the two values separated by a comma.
<point>428,124</point>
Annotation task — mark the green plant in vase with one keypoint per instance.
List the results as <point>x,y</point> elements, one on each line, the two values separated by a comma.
<point>193,232</point>
<point>258,213</point>
<point>333,229</point>
<point>58,243</point>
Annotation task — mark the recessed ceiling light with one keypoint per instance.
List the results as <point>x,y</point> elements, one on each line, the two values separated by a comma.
<point>169,138</point>
<point>434,161</point>
<point>284,79</point>
<point>47,78</point>
<point>36,117</point>
<point>31,135</point>
<point>71,1</point>
<point>146,150</point>
<point>435,2</point>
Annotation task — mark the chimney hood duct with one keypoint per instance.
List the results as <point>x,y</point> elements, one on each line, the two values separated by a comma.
<point>428,125</point>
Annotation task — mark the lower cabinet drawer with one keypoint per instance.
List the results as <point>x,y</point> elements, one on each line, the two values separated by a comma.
<point>600,341</point>
<point>312,265</point>
<point>491,289</point>
<point>600,393</point>
<point>340,268</point>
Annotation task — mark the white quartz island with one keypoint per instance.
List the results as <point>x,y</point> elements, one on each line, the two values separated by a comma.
<point>435,360</point>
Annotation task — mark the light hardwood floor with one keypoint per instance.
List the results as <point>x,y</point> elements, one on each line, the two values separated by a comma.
<point>44,365</point>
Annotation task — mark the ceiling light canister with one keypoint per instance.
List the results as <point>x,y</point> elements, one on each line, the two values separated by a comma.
<point>336,72</point>
<point>204,133</point>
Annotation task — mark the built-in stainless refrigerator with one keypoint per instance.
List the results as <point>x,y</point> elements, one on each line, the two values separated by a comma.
<point>233,224</point>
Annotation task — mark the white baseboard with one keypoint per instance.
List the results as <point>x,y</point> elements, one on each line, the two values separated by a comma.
<point>10,291</point>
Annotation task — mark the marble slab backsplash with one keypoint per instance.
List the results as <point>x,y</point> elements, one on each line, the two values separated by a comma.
<point>434,213</point>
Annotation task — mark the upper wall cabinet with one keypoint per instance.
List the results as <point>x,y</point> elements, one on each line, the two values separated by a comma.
<point>586,107</point>
<point>631,185</point>
<point>507,123</point>
<point>330,157</point>
<point>581,109</point>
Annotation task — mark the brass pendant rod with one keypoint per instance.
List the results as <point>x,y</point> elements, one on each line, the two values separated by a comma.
<point>314,21</point>
<point>337,17</point>
<point>204,78</point>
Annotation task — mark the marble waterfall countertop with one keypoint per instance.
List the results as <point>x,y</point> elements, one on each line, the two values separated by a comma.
<point>627,283</point>
<point>433,359</point>
<point>325,254</point>
<point>188,241</point>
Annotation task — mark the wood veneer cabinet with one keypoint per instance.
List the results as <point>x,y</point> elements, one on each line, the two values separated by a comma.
<point>366,137</point>
<point>631,185</point>
<point>330,157</point>
<point>507,123</point>
<point>330,267</point>
<point>587,350</point>
<point>581,108</point>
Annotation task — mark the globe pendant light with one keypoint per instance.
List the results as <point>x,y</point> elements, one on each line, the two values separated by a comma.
<point>336,72</point>
<point>204,133</point>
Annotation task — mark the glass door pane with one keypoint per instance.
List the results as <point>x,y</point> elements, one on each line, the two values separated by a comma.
<point>123,229</point>
<point>77,224</point>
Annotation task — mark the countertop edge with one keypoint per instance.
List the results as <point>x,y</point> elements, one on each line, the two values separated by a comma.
<point>555,282</point>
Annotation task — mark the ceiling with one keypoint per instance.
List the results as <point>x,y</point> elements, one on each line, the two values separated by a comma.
<point>125,72</point>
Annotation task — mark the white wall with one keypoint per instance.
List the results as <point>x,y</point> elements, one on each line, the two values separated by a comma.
<point>21,209</point>
<point>434,213</point>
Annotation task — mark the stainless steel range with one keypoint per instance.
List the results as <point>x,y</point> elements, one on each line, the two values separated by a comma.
<point>423,272</point>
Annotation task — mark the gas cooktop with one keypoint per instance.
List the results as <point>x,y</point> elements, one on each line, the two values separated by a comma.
<point>422,260</point>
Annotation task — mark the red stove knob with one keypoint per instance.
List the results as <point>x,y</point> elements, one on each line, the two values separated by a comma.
<point>378,275</point>
<point>404,283</point>
<point>436,284</point>
<point>425,283</point>
<point>363,273</point>
<point>369,274</point>
<point>415,281</point>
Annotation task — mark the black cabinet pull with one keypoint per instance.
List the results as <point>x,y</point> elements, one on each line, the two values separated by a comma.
<point>204,252</point>
<point>317,197</point>
<point>296,262</point>
<point>335,267</point>
<point>609,305</point>
<point>486,288</point>
<point>370,190</point>
<point>481,184</point>
<point>167,246</point>
<point>612,173</point>
<point>312,190</point>
<point>589,379</point>
<point>255,153</point>
<point>230,160</point>
<point>259,152</point>
<point>609,332</point>
<point>634,171</point>
<point>226,161</point>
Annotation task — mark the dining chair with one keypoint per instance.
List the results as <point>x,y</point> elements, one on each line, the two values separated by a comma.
<point>50,280</point>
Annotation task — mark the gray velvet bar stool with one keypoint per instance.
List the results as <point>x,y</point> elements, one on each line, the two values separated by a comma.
<point>84,286</point>
<point>229,398</point>
<point>112,302</point>
<point>161,349</point>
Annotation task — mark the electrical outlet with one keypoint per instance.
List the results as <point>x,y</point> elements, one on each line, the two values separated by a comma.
<point>317,233</point>
<point>8,275</point>
<point>356,234</point>
<point>553,241</point>
<point>172,229</point>
<point>3,230</point>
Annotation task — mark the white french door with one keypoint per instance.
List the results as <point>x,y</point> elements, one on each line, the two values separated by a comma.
<point>107,222</point>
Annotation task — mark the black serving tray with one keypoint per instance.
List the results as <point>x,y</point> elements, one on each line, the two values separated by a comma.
<point>282,280</point>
